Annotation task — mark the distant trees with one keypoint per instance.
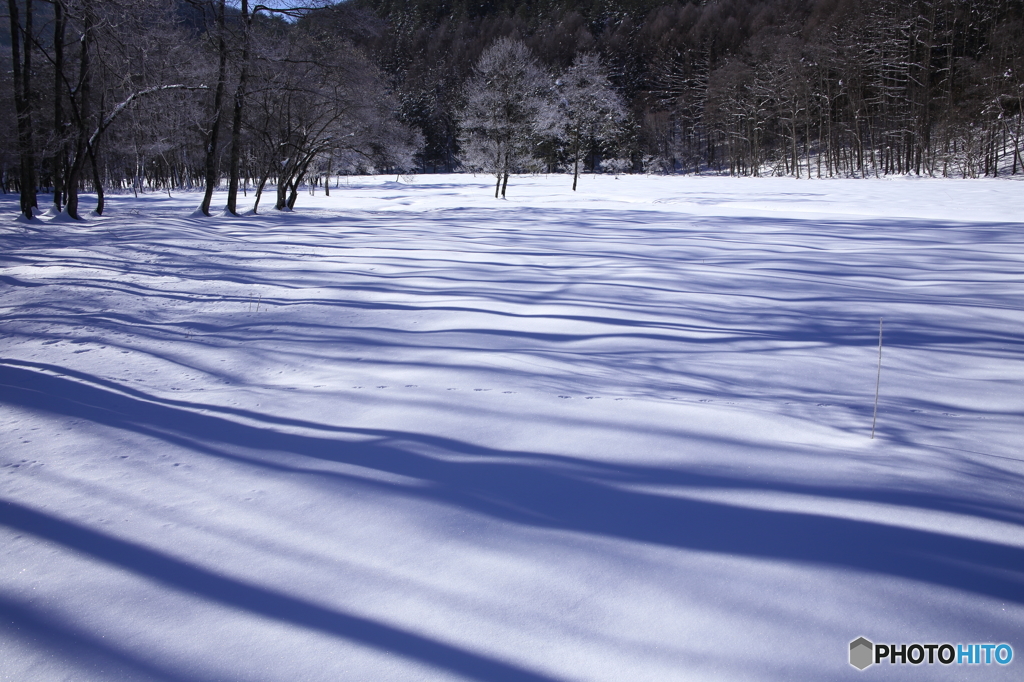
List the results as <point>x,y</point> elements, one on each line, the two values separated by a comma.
<point>160,94</point>
<point>797,87</point>
<point>867,88</point>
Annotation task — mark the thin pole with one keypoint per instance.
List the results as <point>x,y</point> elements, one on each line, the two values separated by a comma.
<point>878,379</point>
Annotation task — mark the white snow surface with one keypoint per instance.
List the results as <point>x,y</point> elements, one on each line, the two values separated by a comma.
<point>411,432</point>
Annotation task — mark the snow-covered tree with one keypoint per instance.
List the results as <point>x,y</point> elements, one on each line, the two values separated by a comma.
<point>508,108</point>
<point>591,109</point>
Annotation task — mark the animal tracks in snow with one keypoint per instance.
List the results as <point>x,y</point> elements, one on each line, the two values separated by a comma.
<point>560,396</point>
<point>495,391</point>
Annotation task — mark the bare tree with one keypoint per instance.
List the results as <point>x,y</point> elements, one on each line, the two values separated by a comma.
<point>248,16</point>
<point>320,100</point>
<point>116,69</point>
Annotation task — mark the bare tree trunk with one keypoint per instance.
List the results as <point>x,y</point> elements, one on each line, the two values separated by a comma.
<point>96,181</point>
<point>60,155</point>
<point>259,192</point>
<point>796,153</point>
<point>22,72</point>
<point>1015,138</point>
<point>26,80</point>
<point>212,176</point>
<point>236,116</point>
<point>84,91</point>
<point>282,188</point>
<point>300,173</point>
<point>576,160</point>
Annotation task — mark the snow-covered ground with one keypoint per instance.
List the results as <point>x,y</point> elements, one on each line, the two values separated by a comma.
<point>410,432</point>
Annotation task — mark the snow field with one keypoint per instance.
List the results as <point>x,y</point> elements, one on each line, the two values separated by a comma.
<point>409,432</point>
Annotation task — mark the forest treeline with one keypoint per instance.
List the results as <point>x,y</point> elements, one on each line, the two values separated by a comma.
<point>797,87</point>
<point>156,94</point>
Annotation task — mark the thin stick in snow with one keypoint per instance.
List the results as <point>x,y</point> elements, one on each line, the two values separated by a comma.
<point>878,379</point>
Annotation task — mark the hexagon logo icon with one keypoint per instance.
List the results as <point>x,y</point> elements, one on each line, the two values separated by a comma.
<point>861,653</point>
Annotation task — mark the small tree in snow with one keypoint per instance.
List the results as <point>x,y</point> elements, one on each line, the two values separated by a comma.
<point>508,108</point>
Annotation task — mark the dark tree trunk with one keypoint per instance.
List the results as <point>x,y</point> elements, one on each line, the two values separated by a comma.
<point>288,187</point>
<point>212,175</point>
<point>283,183</point>
<point>22,73</point>
<point>84,92</point>
<point>576,160</point>
<point>236,114</point>
<point>96,181</point>
<point>60,155</point>
<point>259,192</point>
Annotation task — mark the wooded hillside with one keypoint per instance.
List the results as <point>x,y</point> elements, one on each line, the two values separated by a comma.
<point>156,94</point>
<point>847,87</point>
